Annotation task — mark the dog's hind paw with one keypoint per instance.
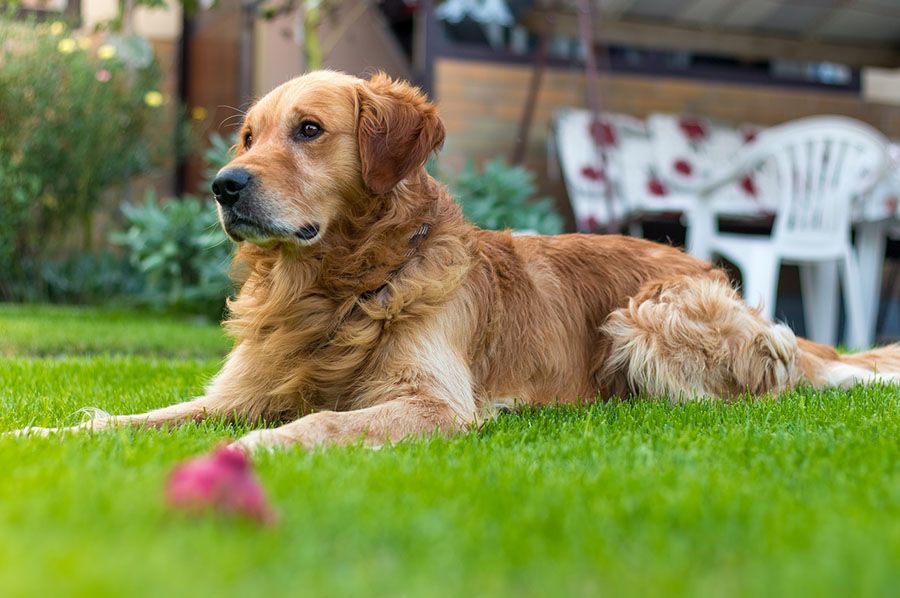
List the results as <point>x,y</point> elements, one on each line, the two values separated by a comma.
<point>770,361</point>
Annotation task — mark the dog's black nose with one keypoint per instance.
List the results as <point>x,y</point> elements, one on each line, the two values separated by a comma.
<point>228,184</point>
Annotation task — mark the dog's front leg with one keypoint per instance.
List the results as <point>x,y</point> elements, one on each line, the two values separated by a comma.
<point>217,402</point>
<point>195,410</point>
<point>430,392</point>
<point>390,421</point>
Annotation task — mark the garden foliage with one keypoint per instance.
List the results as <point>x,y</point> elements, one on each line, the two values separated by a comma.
<point>179,247</point>
<point>502,196</point>
<point>78,116</point>
<point>181,251</point>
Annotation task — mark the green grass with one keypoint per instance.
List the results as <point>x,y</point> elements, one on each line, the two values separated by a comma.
<point>52,330</point>
<point>768,498</point>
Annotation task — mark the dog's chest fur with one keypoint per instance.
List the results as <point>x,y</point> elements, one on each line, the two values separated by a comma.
<point>306,347</point>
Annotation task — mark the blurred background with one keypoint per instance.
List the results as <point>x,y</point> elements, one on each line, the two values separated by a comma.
<point>561,116</point>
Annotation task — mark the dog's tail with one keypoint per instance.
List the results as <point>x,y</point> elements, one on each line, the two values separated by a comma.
<point>822,366</point>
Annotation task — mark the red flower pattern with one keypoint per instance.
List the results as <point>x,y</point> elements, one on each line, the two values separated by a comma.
<point>693,129</point>
<point>683,167</point>
<point>748,185</point>
<point>593,174</point>
<point>603,133</point>
<point>655,187</point>
<point>891,204</point>
<point>749,135</point>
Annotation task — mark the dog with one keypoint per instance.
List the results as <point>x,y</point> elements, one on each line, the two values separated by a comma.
<point>370,310</point>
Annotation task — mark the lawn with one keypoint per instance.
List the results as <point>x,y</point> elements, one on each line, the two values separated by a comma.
<point>799,495</point>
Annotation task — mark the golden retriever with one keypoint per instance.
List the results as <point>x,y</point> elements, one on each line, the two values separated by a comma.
<point>370,310</point>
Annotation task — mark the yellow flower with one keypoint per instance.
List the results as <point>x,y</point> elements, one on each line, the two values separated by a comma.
<point>154,99</point>
<point>106,51</point>
<point>66,46</point>
<point>57,27</point>
<point>85,43</point>
<point>198,113</point>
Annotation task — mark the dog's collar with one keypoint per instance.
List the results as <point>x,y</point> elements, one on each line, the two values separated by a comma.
<point>414,242</point>
<point>417,238</point>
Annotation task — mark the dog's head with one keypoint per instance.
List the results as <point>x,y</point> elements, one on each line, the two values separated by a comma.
<point>315,145</point>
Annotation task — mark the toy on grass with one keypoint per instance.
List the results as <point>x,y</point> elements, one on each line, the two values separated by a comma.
<point>223,482</point>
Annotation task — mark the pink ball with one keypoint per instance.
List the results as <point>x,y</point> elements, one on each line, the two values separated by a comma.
<point>222,481</point>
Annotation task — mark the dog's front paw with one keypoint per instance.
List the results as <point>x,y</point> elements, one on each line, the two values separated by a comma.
<point>34,432</point>
<point>256,441</point>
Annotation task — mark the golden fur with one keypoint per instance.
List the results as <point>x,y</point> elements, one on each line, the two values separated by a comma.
<point>401,318</point>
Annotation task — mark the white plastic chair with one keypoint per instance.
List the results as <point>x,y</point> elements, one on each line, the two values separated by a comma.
<point>811,170</point>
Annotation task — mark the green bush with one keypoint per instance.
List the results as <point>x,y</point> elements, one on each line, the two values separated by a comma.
<point>90,278</point>
<point>182,252</point>
<point>179,247</point>
<point>78,116</point>
<point>501,197</point>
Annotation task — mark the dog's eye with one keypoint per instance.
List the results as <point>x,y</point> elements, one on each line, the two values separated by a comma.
<point>248,140</point>
<point>307,130</point>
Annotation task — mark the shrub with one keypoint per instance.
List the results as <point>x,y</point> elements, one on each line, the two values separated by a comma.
<point>182,252</point>
<point>77,117</point>
<point>90,278</point>
<point>179,247</point>
<point>17,191</point>
<point>501,197</point>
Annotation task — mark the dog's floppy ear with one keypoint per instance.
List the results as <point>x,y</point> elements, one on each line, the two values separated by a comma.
<point>398,129</point>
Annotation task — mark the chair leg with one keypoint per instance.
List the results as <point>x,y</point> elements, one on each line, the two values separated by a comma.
<point>636,229</point>
<point>871,238</point>
<point>819,286</point>
<point>760,286</point>
<point>701,227</point>
<point>858,332</point>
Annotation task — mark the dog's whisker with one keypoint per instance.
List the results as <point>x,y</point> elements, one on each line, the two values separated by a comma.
<point>236,118</point>
<point>239,110</point>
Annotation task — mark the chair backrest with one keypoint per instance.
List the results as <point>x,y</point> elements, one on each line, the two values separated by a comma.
<point>595,193</point>
<point>815,168</point>
<point>883,202</point>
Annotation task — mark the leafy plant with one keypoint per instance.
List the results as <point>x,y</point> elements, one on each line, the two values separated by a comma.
<point>90,278</point>
<point>182,252</point>
<point>17,191</point>
<point>501,197</point>
<point>179,246</point>
<point>78,115</point>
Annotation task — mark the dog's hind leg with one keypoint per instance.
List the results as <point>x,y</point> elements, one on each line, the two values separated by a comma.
<point>687,336</point>
<point>822,366</point>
